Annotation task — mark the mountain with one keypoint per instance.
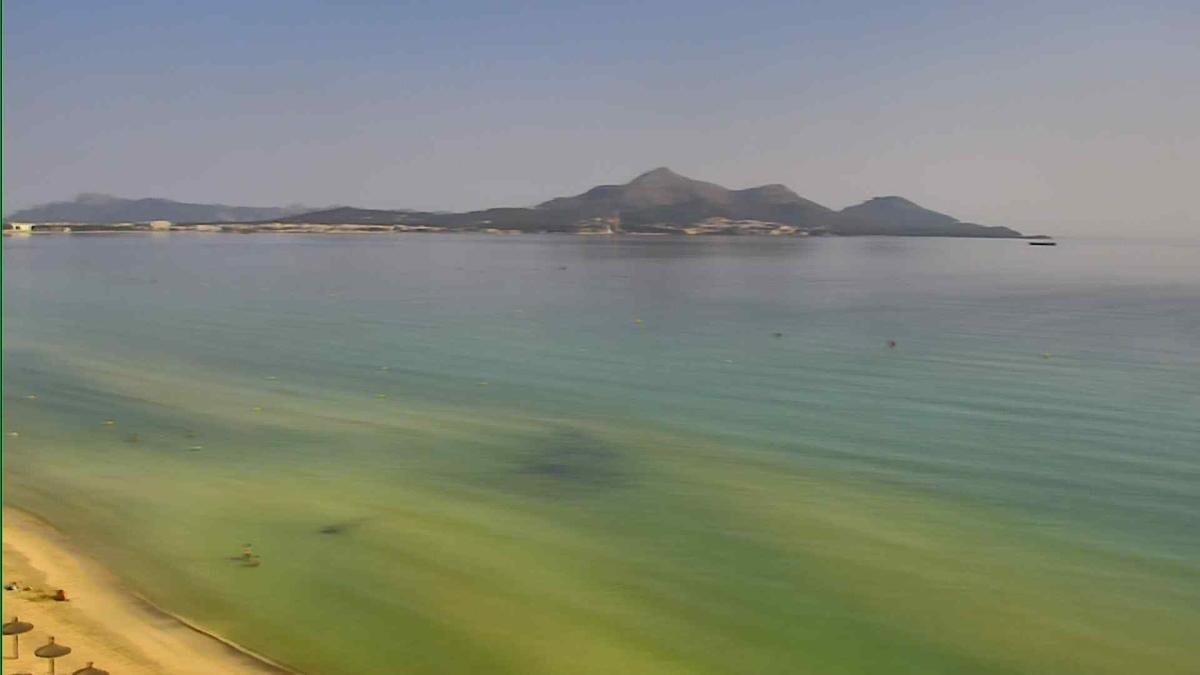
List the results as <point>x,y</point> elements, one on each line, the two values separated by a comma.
<point>899,216</point>
<point>99,208</point>
<point>653,189</point>
<point>662,201</point>
<point>663,197</point>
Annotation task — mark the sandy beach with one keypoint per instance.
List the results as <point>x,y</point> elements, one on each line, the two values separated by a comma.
<point>101,620</point>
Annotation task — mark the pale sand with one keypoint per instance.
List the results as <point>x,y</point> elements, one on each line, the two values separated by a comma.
<point>149,640</point>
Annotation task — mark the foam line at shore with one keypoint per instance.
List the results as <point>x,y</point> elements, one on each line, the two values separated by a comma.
<point>103,621</point>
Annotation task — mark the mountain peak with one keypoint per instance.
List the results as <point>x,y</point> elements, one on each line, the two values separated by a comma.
<point>660,175</point>
<point>892,200</point>
<point>657,171</point>
<point>655,188</point>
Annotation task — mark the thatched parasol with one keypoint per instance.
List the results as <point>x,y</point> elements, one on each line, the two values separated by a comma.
<point>51,650</point>
<point>15,628</point>
<point>90,670</point>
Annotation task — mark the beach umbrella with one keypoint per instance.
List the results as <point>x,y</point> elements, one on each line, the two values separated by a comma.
<point>51,650</point>
<point>15,628</point>
<point>90,670</point>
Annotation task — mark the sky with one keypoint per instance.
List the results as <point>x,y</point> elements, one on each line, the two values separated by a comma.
<point>1075,119</point>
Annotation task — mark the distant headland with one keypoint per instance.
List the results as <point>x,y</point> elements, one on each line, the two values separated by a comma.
<point>658,202</point>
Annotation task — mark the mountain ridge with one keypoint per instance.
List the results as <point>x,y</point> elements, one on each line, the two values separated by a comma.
<point>96,207</point>
<point>659,201</point>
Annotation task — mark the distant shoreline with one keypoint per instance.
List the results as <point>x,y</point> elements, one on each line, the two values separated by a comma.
<point>289,228</point>
<point>658,201</point>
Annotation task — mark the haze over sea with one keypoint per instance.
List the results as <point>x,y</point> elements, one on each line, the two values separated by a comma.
<point>563,454</point>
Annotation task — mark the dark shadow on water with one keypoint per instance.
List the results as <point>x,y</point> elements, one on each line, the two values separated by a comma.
<point>568,461</point>
<point>343,527</point>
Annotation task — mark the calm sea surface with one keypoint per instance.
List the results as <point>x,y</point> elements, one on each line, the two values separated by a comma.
<point>460,454</point>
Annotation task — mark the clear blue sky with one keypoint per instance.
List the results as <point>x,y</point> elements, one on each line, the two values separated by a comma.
<point>1075,118</point>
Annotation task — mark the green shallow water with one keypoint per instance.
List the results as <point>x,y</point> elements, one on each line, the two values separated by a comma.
<point>588,455</point>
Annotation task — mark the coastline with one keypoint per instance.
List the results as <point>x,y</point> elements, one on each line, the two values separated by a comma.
<point>377,230</point>
<point>102,621</point>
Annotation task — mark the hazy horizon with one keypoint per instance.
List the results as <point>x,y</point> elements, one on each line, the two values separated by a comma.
<point>1080,120</point>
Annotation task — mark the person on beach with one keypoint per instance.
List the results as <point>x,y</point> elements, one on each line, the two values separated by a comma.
<point>249,558</point>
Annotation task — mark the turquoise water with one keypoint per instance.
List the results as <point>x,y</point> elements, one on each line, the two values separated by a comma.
<point>661,455</point>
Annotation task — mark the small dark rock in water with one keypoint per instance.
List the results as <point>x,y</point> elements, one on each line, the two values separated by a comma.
<point>342,527</point>
<point>777,334</point>
<point>562,267</point>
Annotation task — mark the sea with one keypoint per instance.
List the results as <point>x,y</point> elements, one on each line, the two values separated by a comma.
<point>590,454</point>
